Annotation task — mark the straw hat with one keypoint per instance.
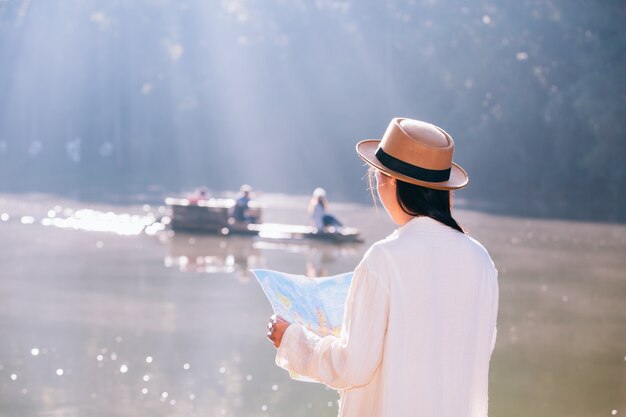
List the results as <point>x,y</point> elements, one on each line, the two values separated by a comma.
<point>416,152</point>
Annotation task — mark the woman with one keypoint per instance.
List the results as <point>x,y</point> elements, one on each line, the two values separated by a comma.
<point>420,319</point>
<point>317,210</point>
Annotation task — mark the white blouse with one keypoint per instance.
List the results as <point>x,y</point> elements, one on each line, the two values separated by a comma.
<point>318,216</point>
<point>418,330</point>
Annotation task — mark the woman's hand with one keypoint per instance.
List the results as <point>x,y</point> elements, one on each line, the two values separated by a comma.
<point>276,328</point>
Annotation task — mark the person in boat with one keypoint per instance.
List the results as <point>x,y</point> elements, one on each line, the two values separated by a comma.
<point>198,195</point>
<point>240,211</point>
<point>420,317</point>
<point>322,220</point>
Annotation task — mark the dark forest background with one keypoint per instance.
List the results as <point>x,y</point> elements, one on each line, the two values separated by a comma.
<point>109,98</point>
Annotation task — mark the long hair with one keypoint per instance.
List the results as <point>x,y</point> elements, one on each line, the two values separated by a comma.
<point>421,201</point>
<point>315,200</point>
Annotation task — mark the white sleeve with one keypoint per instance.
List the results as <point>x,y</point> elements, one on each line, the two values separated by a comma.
<point>493,339</point>
<point>351,359</point>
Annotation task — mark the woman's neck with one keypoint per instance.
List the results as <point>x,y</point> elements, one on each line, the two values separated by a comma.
<point>401,218</point>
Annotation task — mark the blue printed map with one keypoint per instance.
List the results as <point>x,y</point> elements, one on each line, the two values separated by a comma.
<point>315,303</point>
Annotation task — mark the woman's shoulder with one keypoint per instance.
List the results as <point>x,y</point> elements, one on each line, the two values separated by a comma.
<point>383,252</point>
<point>480,250</point>
<point>377,258</point>
<point>374,267</point>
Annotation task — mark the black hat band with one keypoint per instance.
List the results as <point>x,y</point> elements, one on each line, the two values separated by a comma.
<point>412,171</point>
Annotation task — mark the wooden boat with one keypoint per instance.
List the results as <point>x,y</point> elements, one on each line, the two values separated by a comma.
<point>214,216</point>
<point>298,232</point>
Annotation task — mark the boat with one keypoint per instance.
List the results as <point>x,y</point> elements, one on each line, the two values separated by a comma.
<point>214,216</point>
<point>299,232</point>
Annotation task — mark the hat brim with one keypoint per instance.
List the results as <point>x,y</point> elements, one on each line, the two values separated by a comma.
<point>366,149</point>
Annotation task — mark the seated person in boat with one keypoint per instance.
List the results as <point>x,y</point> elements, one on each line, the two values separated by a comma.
<point>240,211</point>
<point>322,220</point>
<point>199,194</point>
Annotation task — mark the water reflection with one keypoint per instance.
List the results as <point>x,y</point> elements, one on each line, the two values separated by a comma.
<point>93,323</point>
<point>239,254</point>
<point>212,254</point>
<point>96,221</point>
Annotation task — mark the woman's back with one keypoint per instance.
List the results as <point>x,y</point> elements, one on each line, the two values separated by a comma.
<point>442,314</point>
<point>317,214</point>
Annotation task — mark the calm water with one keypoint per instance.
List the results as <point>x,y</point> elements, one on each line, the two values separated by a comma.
<point>96,323</point>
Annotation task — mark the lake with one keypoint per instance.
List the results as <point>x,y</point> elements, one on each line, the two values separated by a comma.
<point>112,322</point>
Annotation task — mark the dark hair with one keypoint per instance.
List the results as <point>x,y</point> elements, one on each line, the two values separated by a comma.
<point>421,201</point>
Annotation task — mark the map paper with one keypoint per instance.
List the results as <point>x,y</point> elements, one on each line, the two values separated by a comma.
<point>315,303</point>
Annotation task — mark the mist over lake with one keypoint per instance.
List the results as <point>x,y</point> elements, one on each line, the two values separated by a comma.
<point>117,97</point>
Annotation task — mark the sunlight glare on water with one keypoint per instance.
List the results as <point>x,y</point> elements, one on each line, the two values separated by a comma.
<point>174,320</point>
<point>95,221</point>
<point>27,220</point>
